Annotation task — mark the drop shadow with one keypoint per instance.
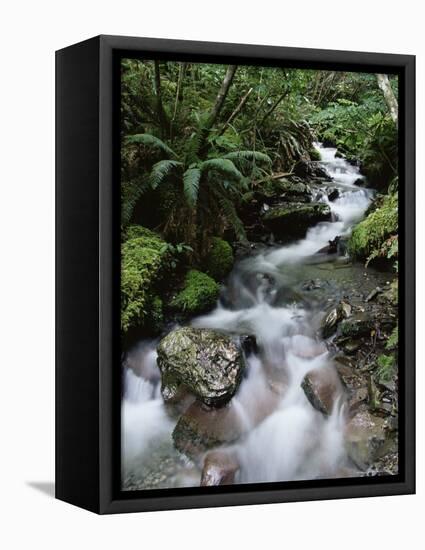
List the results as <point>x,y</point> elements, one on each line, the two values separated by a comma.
<point>46,487</point>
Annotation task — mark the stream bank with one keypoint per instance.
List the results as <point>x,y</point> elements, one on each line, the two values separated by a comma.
<point>309,325</point>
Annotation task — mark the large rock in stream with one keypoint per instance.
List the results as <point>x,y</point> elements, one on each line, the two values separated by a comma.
<point>291,220</point>
<point>201,428</point>
<point>220,468</point>
<point>205,362</point>
<point>368,439</point>
<point>322,388</point>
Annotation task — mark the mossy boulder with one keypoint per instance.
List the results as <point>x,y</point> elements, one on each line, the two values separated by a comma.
<point>371,233</point>
<point>205,362</point>
<point>198,294</point>
<point>356,326</point>
<point>143,257</point>
<point>292,220</point>
<point>315,155</point>
<point>219,261</point>
<point>283,189</point>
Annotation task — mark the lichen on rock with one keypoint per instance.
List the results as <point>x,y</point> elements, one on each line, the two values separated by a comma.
<point>207,363</point>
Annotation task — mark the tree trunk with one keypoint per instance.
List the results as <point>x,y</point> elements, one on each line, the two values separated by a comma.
<point>179,95</point>
<point>215,111</point>
<point>221,96</point>
<point>390,99</point>
<point>162,117</point>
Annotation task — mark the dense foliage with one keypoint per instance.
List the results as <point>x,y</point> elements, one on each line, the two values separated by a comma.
<point>200,142</point>
<point>357,121</point>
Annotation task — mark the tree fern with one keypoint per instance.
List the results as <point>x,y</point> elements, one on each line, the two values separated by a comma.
<point>161,170</point>
<point>148,140</point>
<point>191,181</point>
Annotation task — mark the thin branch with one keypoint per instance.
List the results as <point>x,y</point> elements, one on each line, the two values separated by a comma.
<point>236,111</point>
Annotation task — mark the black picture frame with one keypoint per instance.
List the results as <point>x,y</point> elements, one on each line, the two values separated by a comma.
<point>87,275</point>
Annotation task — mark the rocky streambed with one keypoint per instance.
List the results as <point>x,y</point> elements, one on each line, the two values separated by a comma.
<point>278,381</point>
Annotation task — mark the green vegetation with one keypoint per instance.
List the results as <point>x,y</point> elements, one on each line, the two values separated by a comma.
<point>199,293</point>
<point>219,261</point>
<point>354,117</point>
<point>376,236</point>
<point>143,257</point>
<point>204,146</point>
<point>387,363</point>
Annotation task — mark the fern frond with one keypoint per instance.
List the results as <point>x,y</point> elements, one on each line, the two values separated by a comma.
<point>192,147</point>
<point>148,140</point>
<point>191,180</point>
<point>225,167</point>
<point>161,170</point>
<point>131,191</point>
<point>251,156</point>
<point>229,211</point>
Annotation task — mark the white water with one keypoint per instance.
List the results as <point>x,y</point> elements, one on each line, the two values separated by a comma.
<point>283,436</point>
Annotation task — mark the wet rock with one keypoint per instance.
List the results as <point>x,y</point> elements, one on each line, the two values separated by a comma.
<point>373,293</point>
<point>333,194</point>
<point>207,363</point>
<point>348,345</point>
<point>354,382</point>
<point>335,315</point>
<point>356,326</point>
<point>322,387</point>
<point>283,190</point>
<point>331,248</point>
<point>366,435</point>
<point>361,182</point>
<point>249,344</point>
<point>308,169</point>
<point>220,468</point>
<point>295,191</point>
<point>314,284</point>
<point>291,220</point>
<point>200,428</point>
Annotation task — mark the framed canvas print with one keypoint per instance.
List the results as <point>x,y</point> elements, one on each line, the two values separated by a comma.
<point>235,274</point>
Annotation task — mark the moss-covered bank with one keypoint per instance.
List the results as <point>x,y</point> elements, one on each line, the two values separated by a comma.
<point>370,237</point>
<point>143,257</point>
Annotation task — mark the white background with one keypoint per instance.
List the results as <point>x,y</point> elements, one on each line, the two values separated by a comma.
<point>30,31</point>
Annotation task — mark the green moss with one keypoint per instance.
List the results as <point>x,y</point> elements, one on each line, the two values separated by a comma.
<point>386,367</point>
<point>156,314</point>
<point>219,261</point>
<point>314,154</point>
<point>370,234</point>
<point>143,255</point>
<point>199,293</point>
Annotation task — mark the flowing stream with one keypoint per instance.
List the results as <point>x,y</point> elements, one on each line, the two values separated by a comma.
<point>279,296</point>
